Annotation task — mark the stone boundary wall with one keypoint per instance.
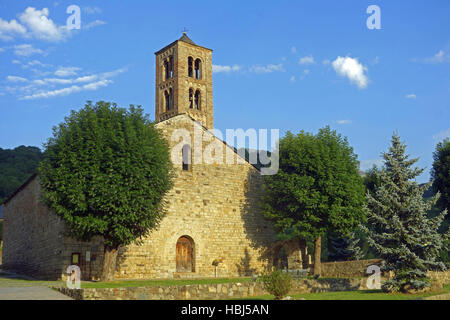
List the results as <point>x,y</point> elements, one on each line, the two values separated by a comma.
<point>347,269</point>
<point>210,291</point>
<point>441,278</point>
<point>357,268</point>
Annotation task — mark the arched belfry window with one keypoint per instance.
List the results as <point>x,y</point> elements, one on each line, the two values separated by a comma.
<point>191,98</point>
<point>185,254</point>
<point>171,67</point>
<point>166,100</point>
<point>186,157</point>
<point>198,69</point>
<point>190,67</point>
<point>197,100</point>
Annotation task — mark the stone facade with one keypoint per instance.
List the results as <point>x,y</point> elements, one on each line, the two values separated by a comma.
<point>213,206</point>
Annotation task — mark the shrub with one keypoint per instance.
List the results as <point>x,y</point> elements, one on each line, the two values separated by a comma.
<point>277,283</point>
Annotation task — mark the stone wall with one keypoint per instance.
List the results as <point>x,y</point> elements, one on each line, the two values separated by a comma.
<point>210,291</point>
<point>357,269</point>
<point>216,205</point>
<point>347,269</point>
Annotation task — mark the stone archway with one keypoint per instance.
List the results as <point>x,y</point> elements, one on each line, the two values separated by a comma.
<point>185,254</point>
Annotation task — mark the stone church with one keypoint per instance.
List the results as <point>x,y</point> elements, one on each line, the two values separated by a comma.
<point>214,225</point>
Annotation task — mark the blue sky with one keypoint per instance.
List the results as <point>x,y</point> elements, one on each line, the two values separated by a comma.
<point>290,65</point>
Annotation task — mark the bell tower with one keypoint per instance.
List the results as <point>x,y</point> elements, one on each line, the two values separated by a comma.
<point>184,81</point>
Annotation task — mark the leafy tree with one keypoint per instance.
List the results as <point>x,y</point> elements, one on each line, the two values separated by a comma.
<point>317,188</point>
<point>16,166</point>
<point>105,173</point>
<point>399,229</point>
<point>440,173</point>
<point>344,248</point>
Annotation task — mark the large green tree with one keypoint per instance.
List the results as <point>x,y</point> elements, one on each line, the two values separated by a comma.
<point>398,226</point>
<point>440,173</point>
<point>317,188</point>
<point>105,173</point>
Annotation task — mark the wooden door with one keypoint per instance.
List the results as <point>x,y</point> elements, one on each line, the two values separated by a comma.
<point>184,255</point>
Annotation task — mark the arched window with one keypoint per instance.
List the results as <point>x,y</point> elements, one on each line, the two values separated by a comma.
<point>166,100</point>
<point>197,100</point>
<point>191,98</point>
<point>185,254</point>
<point>170,99</point>
<point>198,68</point>
<point>190,67</point>
<point>171,67</point>
<point>186,157</point>
<point>166,70</point>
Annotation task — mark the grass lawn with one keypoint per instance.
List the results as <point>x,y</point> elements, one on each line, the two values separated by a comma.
<point>357,295</point>
<point>162,282</point>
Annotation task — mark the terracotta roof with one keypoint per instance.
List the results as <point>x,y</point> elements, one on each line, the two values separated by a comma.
<point>185,39</point>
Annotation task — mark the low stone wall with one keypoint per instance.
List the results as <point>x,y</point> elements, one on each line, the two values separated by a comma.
<point>441,278</point>
<point>209,291</point>
<point>347,269</point>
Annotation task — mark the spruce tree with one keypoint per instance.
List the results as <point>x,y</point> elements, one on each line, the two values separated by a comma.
<point>398,227</point>
<point>344,248</point>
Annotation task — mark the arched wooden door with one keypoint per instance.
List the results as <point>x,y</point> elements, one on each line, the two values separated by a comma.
<point>185,253</point>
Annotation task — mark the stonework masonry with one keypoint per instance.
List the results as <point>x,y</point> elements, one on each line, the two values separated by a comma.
<point>214,225</point>
<point>215,205</point>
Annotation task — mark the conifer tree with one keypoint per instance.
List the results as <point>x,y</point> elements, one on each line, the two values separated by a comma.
<point>398,227</point>
<point>344,248</point>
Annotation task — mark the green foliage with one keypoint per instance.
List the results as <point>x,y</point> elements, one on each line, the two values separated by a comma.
<point>105,172</point>
<point>440,173</point>
<point>398,227</point>
<point>1,230</point>
<point>277,283</point>
<point>344,248</point>
<point>16,166</point>
<point>371,179</point>
<point>317,188</point>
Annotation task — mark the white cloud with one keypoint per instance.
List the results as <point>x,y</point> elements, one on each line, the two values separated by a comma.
<point>16,79</point>
<point>82,83</point>
<point>267,69</point>
<point>410,96</point>
<point>439,57</point>
<point>26,50</point>
<point>226,69</point>
<point>40,26</point>
<point>292,79</point>
<point>352,69</point>
<point>93,24</point>
<point>306,60</point>
<point>365,165</point>
<point>442,135</point>
<point>344,121</point>
<point>8,30</point>
<point>96,85</point>
<point>66,71</point>
<point>326,62</point>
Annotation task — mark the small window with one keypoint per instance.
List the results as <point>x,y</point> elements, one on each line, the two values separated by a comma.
<point>191,98</point>
<point>186,157</point>
<point>190,67</point>
<point>76,258</point>
<point>198,64</point>
<point>167,100</point>
<point>197,100</point>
